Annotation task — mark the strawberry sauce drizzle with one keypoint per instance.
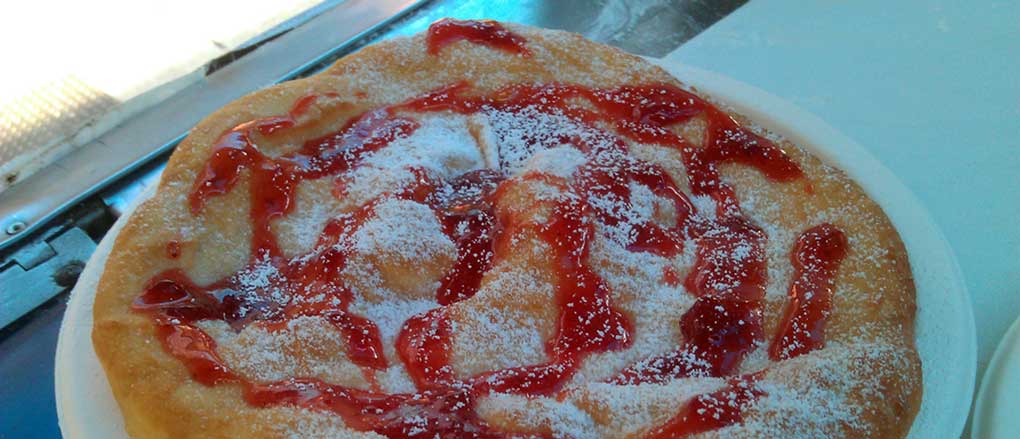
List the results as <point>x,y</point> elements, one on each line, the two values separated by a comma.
<point>469,221</point>
<point>816,257</point>
<point>274,179</point>
<point>485,32</point>
<point>728,277</point>
<point>725,322</point>
<point>173,249</point>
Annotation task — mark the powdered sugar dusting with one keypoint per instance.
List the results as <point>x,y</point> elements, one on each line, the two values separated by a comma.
<point>294,423</point>
<point>497,330</point>
<point>308,347</point>
<point>636,281</point>
<point>626,411</point>
<point>825,394</point>
<point>390,315</point>
<point>260,282</point>
<point>300,231</point>
<point>517,136</point>
<point>403,230</point>
<point>561,161</point>
<point>562,418</point>
<point>643,207</point>
<point>442,145</point>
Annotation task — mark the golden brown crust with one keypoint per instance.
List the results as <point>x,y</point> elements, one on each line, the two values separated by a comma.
<point>870,362</point>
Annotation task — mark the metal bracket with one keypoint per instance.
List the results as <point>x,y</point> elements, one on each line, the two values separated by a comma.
<point>39,271</point>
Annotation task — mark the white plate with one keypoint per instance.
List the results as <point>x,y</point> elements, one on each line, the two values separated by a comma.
<point>945,325</point>
<point>998,401</point>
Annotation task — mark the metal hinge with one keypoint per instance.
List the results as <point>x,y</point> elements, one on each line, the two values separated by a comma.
<point>49,263</point>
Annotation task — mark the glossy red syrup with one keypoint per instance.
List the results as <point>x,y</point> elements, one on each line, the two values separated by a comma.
<point>643,113</point>
<point>485,32</point>
<point>443,413</point>
<point>816,257</point>
<point>600,180</point>
<point>424,347</point>
<point>274,179</point>
<point>588,322</point>
<point>173,249</point>
<point>670,276</point>
<point>727,278</point>
<point>725,323</point>
<point>168,297</point>
<point>469,221</point>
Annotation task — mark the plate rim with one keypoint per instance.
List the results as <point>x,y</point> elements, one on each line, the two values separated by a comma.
<point>781,117</point>
<point>995,367</point>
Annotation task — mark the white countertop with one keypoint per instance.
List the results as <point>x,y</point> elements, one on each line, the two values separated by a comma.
<point>931,88</point>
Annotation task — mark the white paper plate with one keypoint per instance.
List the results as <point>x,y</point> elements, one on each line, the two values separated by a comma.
<point>998,401</point>
<point>945,326</point>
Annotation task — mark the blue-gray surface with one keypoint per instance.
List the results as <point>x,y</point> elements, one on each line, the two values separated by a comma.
<point>27,407</point>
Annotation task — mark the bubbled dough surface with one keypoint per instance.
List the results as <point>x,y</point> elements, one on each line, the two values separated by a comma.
<point>865,383</point>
